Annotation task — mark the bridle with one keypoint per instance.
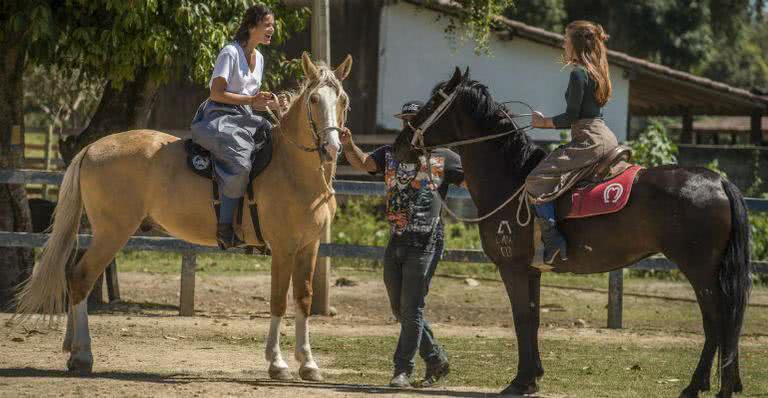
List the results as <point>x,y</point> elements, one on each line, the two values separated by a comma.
<point>417,142</point>
<point>319,136</point>
<point>418,132</point>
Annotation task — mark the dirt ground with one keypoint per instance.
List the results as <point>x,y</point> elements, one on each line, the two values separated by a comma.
<point>142,348</point>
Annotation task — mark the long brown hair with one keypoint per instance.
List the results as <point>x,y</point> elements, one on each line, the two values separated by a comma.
<point>252,18</point>
<point>588,50</point>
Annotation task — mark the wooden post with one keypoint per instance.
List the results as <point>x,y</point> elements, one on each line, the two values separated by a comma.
<point>615,296</point>
<point>48,151</point>
<point>187,288</point>
<point>113,287</point>
<point>756,128</point>
<point>686,136</point>
<point>321,50</point>
<point>96,297</point>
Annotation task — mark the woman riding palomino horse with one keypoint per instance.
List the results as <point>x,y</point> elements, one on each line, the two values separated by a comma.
<point>225,123</point>
<point>588,91</point>
<point>140,177</point>
<point>692,215</point>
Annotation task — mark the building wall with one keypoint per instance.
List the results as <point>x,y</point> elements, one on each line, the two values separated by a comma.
<point>414,55</point>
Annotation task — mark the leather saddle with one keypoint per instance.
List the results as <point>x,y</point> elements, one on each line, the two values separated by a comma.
<point>611,165</point>
<point>200,161</point>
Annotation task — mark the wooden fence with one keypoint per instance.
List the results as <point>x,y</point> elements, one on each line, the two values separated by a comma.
<point>42,153</point>
<point>189,251</point>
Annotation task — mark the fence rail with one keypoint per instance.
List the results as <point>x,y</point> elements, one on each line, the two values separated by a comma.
<point>189,250</point>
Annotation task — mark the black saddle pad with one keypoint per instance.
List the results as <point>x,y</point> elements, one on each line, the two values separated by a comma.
<point>200,161</point>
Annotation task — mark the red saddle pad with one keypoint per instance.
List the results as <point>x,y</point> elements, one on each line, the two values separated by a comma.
<point>606,197</point>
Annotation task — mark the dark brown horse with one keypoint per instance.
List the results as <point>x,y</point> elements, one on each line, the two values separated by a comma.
<point>692,215</point>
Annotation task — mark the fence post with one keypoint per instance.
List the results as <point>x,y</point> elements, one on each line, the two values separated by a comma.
<point>187,288</point>
<point>615,296</point>
<point>113,286</point>
<point>47,157</point>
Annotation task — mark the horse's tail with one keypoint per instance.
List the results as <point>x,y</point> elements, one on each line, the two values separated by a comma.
<point>46,290</point>
<point>735,281</point>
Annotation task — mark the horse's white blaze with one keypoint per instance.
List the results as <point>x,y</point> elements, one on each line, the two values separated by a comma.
<point>303,348</point>
<point>329,102</point>
<point>272,352</point>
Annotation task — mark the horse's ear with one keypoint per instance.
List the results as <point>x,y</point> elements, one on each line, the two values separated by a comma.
<point>342,71</point>
<point>456,79</point>
<point>466,74</point>
<point>309,68</point>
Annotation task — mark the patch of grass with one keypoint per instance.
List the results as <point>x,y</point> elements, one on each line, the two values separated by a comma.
<point>170,263</point>
<point>586,368</point>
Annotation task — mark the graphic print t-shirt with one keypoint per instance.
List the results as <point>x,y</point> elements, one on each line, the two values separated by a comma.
<point>412,204</point>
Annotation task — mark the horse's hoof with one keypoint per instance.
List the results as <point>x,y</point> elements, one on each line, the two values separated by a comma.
<point>515,389</point>
<point>276,373</point>
<point>80,364</point>
<point>310,374</point>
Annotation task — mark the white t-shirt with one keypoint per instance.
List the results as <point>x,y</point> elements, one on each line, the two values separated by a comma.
<point>232,65</point>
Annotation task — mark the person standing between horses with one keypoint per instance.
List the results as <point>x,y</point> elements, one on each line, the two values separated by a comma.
<point>227,124</point>
<point>415,245</point>
<point>588,91</point>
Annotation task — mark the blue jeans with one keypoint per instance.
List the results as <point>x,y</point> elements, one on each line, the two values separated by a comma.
<point>408,271</point>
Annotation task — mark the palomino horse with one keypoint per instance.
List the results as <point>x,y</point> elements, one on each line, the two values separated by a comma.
<point>140,176</point>
<point>692,215</point>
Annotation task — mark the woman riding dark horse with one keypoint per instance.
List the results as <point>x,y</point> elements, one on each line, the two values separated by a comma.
<point>588,91</point>
<point>226,124</point>
<point>692,215</point>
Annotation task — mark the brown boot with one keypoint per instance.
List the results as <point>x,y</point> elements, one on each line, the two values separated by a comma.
<point>226,237</point>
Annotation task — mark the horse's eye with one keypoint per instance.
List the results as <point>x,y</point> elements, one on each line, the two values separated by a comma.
<point>314,98</point>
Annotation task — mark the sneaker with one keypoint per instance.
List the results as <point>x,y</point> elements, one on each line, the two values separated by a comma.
<point>434,374</point>
<point>400,380</point>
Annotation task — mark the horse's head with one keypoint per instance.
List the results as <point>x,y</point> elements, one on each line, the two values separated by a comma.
<point>325,102</point>
<point>461,112</point>
<point>438,121</point>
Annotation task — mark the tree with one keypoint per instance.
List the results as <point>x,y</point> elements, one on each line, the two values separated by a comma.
<point>721,39</point>
<point>545,14</point>
<point>137,46</point>
<point>470,19</point>
<point>131,46</point>
<point>26,27</point>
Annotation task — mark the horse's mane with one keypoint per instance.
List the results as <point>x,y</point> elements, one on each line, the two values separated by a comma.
<point>326,78</point>
<point>520,153</point>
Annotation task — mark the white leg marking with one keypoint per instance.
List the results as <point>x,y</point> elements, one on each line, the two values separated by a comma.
<point>82,339</point>
<point>67,345</point>
<point>272,352</point>
<point>80,357</point>
<point>303,348</point>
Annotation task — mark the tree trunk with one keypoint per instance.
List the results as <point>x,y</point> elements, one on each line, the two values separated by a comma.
<point>15,263</point>
<point>120,109</point>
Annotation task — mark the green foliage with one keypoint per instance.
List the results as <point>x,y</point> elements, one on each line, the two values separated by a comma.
<point>459,235</point>
<point>473,20</point>
<point>726,40</point>
<point>57,98</point>
<point>545,14</point>
<point>653,147</point>
<point>361,221</point>
<point>742,62</point>
<point>113,39</point>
